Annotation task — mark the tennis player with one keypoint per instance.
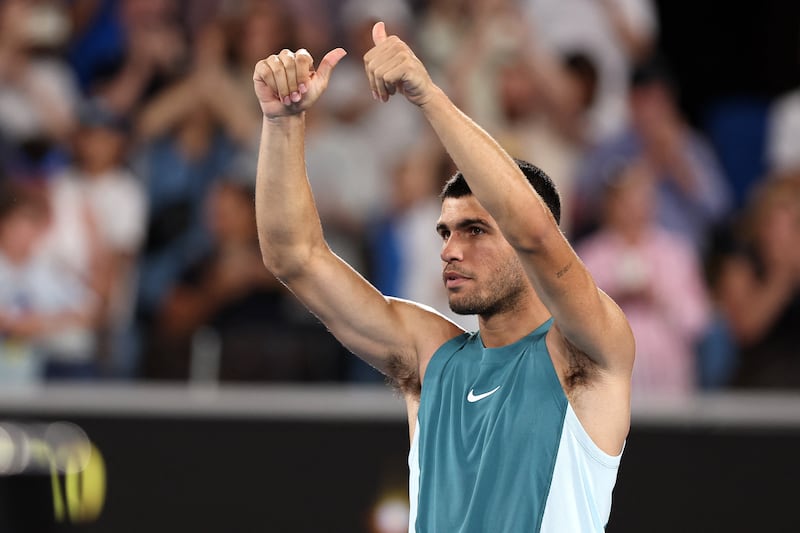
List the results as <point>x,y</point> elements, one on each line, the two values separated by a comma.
<point>519,426</point>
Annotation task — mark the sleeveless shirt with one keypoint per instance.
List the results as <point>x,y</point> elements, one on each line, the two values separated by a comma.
<point>497,447</point>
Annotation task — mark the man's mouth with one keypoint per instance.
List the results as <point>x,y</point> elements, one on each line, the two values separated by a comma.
<point>453,279</point>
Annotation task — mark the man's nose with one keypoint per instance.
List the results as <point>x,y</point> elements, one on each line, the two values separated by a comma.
<point>452,249</point>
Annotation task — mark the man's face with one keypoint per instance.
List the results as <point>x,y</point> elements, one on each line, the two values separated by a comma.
<point>481,271</point>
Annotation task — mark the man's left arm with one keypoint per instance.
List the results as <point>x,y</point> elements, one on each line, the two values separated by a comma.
<point>586,316</point>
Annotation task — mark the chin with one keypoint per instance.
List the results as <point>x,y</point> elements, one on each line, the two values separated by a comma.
<point>460,308</point>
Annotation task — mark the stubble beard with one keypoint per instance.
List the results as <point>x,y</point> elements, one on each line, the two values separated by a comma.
<point>502,294</point>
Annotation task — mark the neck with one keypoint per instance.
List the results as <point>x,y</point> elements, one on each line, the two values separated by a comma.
<point>510,326</point>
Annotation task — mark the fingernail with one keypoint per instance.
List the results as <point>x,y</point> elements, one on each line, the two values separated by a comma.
<point>374,95</point>
<point>303,88</point>
<point>296,96</point>
<point>287,100</point>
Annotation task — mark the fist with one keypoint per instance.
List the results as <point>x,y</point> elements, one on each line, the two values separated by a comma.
<point>287,84</point>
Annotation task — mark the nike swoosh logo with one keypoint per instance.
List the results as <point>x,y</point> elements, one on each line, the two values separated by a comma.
<point>472,397</point>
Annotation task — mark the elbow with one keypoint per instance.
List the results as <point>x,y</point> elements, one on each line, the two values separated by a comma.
<point>534,242</point>
<point>286,262</point>
<point>281,266</point>
<point>528,244</point>
<point>536,235</point>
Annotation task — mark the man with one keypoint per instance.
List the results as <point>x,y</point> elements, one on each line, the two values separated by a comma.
<point>517,427</point>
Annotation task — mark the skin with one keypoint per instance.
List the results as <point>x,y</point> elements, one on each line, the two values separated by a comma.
<point>503,253</point>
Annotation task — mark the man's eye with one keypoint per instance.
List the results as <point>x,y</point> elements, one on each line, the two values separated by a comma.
<point>444,235</point>
<point>476,230</point>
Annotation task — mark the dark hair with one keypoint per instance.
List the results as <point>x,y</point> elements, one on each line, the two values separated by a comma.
<point>16,195</point>
<point>456,187</point>
<point>583,68</point>
<point>650,71</point>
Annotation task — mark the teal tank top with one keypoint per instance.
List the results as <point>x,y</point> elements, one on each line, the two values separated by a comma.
<point>489,425</point>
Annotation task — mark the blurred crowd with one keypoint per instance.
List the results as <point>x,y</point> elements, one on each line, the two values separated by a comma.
<point>128,141</point>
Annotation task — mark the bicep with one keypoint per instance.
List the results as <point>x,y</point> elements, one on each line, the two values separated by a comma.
<point>377,328</point>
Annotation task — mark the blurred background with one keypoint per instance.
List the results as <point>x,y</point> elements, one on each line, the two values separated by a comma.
<point>134,306</point>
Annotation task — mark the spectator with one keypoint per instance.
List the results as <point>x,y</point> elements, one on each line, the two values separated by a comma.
<point>259,25</point>
<point>116,200</point>
<point>45,314</point>
<point>353,193</point>
<point>490,31</point>
<point>617,34</point>
<point>38,92</point>
<point>759,287</point>
<point>126,51</point>
<point>692,194</point>
<point>440,30</point>
<point>213,82</point>
<point>545,106</point>
<point>656,279</point>
<point>228,297</point>
<point>187,136</point>
<point>539,106</point>
<point>352,90</point>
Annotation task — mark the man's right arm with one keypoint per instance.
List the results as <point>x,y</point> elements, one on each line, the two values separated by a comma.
<point>383,331</point>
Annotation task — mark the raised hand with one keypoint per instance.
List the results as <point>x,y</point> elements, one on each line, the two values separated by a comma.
<point>287,84</point>
<point>391,67</point>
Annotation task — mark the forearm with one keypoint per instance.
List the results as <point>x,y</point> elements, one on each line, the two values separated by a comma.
<point>168,110</point>
<point>493,176</point>
<point>288,223</point>
<point>124,91</point>
<point>752,312</point>
<point>232,108</point>
<point>585,315</point>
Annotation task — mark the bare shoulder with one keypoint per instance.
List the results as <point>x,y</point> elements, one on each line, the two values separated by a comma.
<point>430,330</point>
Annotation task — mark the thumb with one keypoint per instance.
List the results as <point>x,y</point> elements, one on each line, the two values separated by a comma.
<point>378,33</point>
<point>329,61</point>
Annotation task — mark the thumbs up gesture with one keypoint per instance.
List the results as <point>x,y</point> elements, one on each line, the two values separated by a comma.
<point>287,84</point>
<point>392,67</point>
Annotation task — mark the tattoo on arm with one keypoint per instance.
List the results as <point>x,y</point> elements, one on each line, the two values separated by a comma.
<point>564,270</point>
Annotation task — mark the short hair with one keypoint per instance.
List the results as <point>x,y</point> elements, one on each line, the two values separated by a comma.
<point>582,67</point>
<point>15,196</point>
<point>653,71</point>
<point>457,186</point>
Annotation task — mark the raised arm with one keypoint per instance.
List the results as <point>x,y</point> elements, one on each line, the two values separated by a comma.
<point>395,336</point>
<point>587,318</point>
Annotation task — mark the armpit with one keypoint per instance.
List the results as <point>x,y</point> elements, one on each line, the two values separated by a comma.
<point>580,368</point>
<point>403,377</point>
